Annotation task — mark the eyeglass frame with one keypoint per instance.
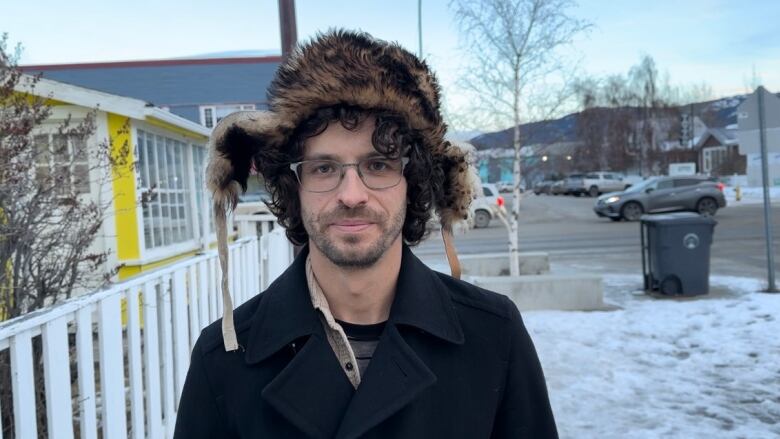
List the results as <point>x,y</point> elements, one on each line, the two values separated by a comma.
<point>295,165</point>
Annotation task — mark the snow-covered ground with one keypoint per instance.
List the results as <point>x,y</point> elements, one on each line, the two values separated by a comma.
<point>705,367</point>
<point>750,195</point>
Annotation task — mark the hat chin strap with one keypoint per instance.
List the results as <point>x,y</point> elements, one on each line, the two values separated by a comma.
<point>228,328</point>
<point>449,248</point>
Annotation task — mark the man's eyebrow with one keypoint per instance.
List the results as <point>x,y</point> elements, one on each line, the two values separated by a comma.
<point>326,156</point>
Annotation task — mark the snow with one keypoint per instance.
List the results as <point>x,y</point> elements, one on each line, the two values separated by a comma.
<point>705,367</point>
<point>750,195</point>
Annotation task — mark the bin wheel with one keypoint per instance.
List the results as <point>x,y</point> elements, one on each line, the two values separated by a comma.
<point>707,206</point>
<point>671,286</point>
<point>632,211</point>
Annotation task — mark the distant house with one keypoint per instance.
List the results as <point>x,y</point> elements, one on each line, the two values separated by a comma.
<point>200,90</point>
<point>141,232</point>
<point>718,153</point>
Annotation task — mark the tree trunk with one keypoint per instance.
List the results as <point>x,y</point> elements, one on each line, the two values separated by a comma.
<point>514,230</point>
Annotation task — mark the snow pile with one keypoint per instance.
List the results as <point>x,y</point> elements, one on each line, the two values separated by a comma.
<point>705,367</point>
<point>750,195</point>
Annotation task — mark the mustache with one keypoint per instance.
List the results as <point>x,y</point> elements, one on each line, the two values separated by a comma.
<point>342,213</point>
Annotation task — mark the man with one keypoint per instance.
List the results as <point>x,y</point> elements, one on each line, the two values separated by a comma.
<point>358,338</point>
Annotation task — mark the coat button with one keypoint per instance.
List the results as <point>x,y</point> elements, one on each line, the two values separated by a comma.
<point>349,366</point>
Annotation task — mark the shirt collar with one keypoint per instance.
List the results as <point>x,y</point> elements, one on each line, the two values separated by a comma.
<point>287,311</point>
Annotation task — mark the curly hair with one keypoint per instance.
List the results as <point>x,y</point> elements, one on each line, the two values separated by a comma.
<point>392,137</point>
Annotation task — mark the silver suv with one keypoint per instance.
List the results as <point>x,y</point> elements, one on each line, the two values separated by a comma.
<point>596,183</point>
<point>663,194</point>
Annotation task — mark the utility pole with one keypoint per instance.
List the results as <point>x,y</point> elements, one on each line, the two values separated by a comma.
<point>419,28</point>
<point>770,257</point>
<point>287,26</point>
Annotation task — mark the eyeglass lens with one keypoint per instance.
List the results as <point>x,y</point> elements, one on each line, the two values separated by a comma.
<point>325,175</point>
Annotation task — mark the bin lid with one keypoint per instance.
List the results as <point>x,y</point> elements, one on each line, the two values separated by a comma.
<point>678,218</point>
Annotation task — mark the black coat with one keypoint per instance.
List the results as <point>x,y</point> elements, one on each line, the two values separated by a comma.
<point>454,361</point>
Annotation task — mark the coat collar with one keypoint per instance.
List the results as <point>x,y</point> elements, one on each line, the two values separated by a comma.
<point>422,301</point>
<point>286,313</point>
<point>312,391</point>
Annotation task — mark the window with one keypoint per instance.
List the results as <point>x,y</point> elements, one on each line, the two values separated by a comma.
<point>683,182</point>
<point>163,176</point>
<point>486,191</point>
<point>211,115</point>
<point>63,158</point>
<point>202,200</point>
<point>665,184</point>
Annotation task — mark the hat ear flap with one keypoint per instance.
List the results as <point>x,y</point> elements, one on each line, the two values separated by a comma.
<point>234,143</point>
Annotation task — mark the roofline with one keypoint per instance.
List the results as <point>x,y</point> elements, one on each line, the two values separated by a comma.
<point>153,63</point>
<point>85,97</point>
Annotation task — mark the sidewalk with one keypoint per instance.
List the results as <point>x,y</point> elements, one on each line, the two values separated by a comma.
<point>750,195</point>
<point>705,367</point>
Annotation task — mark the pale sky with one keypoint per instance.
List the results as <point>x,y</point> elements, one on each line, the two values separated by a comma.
<point>716,41</point>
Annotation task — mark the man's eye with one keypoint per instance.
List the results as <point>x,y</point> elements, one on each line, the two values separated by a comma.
<point>378,165</point>
<point>321,168</point>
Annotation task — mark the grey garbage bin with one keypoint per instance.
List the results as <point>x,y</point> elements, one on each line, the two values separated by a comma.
<point>676,253</point>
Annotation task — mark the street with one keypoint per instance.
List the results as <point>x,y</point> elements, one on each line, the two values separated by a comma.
<point>576,239</point>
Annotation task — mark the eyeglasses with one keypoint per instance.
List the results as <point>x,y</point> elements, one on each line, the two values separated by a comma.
<point>326,175</point>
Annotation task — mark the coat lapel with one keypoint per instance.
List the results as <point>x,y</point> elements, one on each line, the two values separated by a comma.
<point>395,377</point>
<point>311,392</point>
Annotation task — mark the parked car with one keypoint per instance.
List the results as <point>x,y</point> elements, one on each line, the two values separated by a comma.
<point>486,206</point>
<point>663,194</point>
<point>573,184</point>
<point>543,187</point>
<point>505,186</point>
<point>558,187</point>
<point>597,183</point>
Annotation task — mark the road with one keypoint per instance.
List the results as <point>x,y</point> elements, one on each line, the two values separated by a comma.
<point>576,240</point>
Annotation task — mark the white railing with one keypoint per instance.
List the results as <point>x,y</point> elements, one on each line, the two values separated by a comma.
<point>129,345</point>
<point>276,252</point>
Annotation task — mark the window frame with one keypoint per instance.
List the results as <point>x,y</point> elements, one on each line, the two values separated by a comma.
<point>183,149</point>
<point>213,108</point>
<point>50,128</point>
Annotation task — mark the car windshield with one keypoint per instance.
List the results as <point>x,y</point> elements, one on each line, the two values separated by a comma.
<point>642,185</point>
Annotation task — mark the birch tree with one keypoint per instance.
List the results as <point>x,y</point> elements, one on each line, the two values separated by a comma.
<point>514,51</point>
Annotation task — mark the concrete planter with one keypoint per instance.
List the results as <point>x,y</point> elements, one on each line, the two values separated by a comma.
<point>497,264</point>
<point>581,292</point>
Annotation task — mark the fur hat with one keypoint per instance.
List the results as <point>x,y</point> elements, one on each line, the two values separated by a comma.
<point>336,68</point>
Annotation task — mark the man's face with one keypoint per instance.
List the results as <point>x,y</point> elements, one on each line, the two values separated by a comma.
<point>352,225</point>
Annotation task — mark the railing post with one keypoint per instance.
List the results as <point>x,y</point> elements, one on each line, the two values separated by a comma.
<point>23,386</point>
<point>86,371</point>
<point>135,364</point>
<point>152,361</point>
<point>56,371</point>
<point>112,377</point>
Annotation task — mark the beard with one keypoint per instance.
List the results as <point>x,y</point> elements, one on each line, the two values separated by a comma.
<point>351,251</point>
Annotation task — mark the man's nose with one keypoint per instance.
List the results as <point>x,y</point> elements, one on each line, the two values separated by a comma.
<point>352,191</point>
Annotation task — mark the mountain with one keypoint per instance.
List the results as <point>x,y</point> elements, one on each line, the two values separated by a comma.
<point>717,113</point>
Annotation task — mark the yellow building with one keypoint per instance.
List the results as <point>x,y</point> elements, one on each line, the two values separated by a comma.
<point>158,204</point>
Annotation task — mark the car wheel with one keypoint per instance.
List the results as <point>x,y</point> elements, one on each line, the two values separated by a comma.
<point>631,211</point>
<point>593,191</point>
<point>481,219</point>
<point>707,206</point>
<point>576,194</point>
<point>615,218</point>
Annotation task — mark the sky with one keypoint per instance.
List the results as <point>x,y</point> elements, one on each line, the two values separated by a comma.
<point>719,42</point>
